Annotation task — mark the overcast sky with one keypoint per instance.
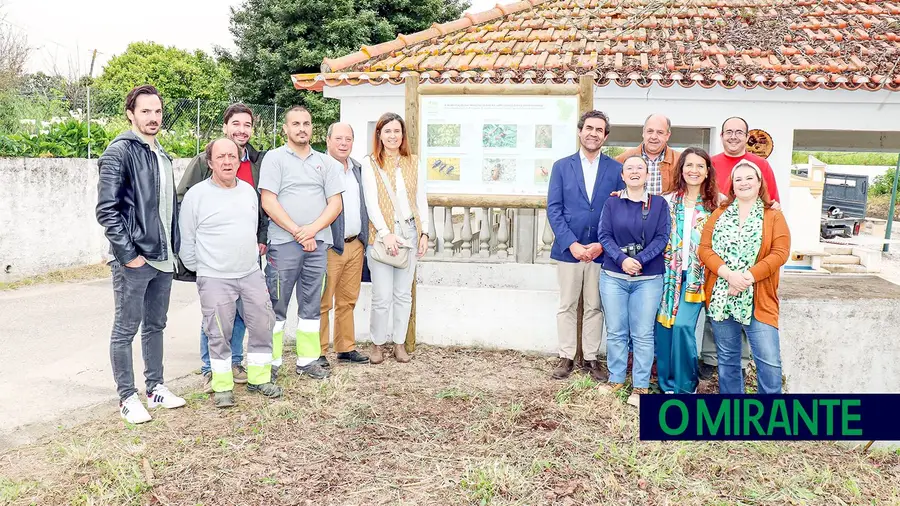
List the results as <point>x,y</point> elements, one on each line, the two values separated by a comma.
<point>63,33</point>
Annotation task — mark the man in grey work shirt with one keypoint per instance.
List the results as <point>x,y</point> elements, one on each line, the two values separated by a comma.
<point>136,207</point>
<point>301,192</point>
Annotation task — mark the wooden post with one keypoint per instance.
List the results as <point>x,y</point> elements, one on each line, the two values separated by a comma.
<point>412,135</point>
<point>585,104</point>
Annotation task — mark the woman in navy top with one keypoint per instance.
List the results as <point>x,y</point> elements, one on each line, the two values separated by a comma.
<point>634,231</point>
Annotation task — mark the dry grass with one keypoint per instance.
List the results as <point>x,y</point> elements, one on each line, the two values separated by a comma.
<point>451,427</point>
<point>877,207</point>
<point>75,274</point>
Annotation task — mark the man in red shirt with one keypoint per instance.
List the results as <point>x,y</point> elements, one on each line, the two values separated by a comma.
<point>734,141</point>
<point>237,126</point>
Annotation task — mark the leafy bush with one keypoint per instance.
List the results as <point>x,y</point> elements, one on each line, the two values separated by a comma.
<point>883,184</point>
<point>69,139</point>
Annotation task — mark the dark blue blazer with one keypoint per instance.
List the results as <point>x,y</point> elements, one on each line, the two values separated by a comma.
<point>573,217</point>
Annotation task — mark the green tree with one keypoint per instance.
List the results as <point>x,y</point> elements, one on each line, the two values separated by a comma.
<point>175,72</point>
<point>277,38</point>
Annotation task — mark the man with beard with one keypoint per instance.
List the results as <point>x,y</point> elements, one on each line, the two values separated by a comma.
<point>579,186</point>
<point>136,206</point>
<point>735,131</point>
<point>238,126</point>
<point>301,192</point>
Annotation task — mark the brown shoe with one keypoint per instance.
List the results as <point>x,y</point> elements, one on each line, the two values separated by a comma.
<point>598,372</point>
<point>400,353</point>
<point>563,369</point>
<point>376,356</point>
<point>611,388</point>
<point>635,398</point>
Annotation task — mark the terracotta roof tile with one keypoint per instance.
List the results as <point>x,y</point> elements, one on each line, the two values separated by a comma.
<point>852,44</point>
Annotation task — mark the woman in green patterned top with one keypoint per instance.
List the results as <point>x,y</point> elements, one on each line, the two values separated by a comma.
<point>694,198</point>
<point>744,245</point>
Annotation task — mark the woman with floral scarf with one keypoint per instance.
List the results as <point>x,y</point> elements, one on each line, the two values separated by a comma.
<point>744,245</point>
<point>694,197</point>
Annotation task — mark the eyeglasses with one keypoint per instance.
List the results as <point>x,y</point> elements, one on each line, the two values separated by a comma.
<point>734,133</point>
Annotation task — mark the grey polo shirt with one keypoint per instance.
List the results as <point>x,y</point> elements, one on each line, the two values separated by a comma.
<point>303,186</point>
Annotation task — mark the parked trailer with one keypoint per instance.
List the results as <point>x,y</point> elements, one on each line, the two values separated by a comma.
<point>843,204</point>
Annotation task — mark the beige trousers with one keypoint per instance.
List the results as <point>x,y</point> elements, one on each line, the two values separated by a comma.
<point>576,279</point>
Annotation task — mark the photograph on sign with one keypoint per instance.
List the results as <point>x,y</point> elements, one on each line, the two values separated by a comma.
<point>444,136</point>
<point>499,136</point>
<point>498,169</point>
<point>443,168</point>
<point>542,168</point>
<point>543,137</point>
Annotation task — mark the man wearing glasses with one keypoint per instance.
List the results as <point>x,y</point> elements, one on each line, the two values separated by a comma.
<point>734,141</point>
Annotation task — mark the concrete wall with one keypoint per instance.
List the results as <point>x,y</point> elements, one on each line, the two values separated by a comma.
<point>47,218</point>
<point>779,112</point>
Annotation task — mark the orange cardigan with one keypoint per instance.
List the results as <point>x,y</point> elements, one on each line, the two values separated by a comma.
<point>773,253</point>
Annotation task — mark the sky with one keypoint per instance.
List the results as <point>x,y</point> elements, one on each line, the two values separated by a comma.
<point>64,41</point>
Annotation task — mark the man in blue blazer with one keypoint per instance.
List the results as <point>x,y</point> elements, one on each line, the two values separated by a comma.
<point>579,186</point>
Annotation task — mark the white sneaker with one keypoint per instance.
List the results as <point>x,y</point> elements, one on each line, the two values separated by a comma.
<point>133,411</point>
<point>161,396</point>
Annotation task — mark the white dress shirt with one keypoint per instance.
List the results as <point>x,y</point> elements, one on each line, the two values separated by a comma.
<point>352,212</point>
<point>590,173</point>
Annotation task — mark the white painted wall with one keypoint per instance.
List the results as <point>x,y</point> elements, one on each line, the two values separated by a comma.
<point>47,219</point>
<point>778,111</point>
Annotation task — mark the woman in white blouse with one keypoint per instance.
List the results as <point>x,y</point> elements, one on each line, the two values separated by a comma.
<point>396,202</point>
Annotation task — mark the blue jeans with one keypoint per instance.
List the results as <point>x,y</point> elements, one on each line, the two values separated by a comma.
<point>237,343</point>
<point>630,309</point>
<point>764,345</point>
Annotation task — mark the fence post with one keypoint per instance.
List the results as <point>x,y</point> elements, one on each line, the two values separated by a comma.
<point>89,121</point>
<point>274,124</point>
<point>890,216</point>
<point>198,126</point>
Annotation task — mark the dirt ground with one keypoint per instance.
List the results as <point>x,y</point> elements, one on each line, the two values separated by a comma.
<point>451,427</point>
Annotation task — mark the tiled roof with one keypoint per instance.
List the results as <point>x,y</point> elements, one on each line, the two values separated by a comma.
<point>851,44</point>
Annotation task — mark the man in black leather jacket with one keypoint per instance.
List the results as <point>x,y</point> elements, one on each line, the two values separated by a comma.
<point>137,207</point>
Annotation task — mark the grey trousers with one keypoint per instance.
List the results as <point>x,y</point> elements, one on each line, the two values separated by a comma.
<point>291,269</point>
<point>218,303</point>
<point>392,293</point>
<point>575,280</point>
<point>708,354</point>
<point>142,301</point>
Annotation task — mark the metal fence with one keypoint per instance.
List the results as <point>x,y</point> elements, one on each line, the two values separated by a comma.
<point>188,123</point>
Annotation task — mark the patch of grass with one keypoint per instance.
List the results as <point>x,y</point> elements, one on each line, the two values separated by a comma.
<point>75,274</point>
<point>877,207</point>
<point>114,481</point>
<point>453,393</point>
<point>578,384</point>
<point>14,490</point>
<point>479,485</point>
<point>844,158</point>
